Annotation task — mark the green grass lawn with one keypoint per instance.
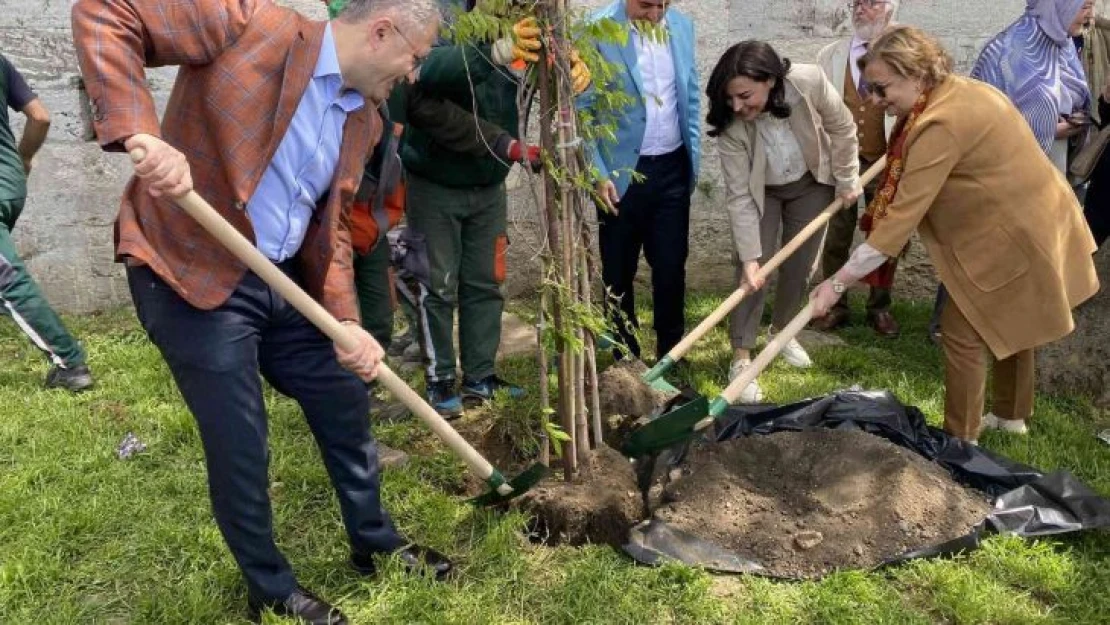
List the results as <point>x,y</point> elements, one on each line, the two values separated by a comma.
<point>88,538</point>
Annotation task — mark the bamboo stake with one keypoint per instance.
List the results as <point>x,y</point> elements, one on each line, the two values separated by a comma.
<point>556,244</point>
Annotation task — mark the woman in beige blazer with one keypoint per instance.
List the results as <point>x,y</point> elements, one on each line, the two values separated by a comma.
<point>1000,223</point>
<point>788,145</point>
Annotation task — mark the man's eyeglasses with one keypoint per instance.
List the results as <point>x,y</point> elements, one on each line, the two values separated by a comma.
<point>417,60</point>
<point>867,4</point>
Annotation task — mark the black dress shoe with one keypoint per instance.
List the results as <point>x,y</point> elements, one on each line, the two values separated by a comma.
<point>302,605</point>
<point>414,559</point>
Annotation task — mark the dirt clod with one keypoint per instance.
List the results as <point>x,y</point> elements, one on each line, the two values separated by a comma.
<point>862,500</point>
<point>599,506</point>
<point>808,540</point>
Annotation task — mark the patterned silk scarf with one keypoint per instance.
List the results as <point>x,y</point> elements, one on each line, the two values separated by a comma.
<point>883,277</point>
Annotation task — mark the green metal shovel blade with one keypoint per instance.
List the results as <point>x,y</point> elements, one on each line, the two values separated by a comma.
<point>654,377</point>
<point>520,485</point>
<point>666,430</point>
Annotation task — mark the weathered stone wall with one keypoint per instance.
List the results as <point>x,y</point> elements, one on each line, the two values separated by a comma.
<point>65,233</point>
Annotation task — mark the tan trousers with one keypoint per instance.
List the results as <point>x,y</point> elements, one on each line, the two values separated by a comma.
<point>965,378</point>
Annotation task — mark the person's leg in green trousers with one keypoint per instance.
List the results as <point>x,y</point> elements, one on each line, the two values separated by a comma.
<point>374,298</point>
<point>21,299</point>
<point>376,309</point>
<point>481,273</point>
<point>436,213</point>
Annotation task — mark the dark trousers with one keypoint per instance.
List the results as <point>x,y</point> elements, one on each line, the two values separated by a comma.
<point>215,357</point>
<point>654,215</point>
<point>1096,205</point>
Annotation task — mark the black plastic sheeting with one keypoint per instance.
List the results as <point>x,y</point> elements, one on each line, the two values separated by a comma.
<point>1027,502</point>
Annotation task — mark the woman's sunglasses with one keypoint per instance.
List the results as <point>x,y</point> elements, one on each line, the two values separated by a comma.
<point>877,89</point>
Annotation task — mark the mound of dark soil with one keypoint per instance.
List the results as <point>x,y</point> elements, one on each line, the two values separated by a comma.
<point>623,393</point>
<point>805,503</point>
<point>599,506</point>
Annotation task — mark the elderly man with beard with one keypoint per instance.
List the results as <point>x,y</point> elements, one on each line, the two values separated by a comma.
<point>838,60</point>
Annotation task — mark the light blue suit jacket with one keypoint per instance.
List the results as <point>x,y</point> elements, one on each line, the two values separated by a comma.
<point>614,160</point>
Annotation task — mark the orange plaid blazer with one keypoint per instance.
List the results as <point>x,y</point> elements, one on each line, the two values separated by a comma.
<point>244,65</point>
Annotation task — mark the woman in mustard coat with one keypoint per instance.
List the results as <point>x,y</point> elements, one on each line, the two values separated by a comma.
<point>1000,223</point>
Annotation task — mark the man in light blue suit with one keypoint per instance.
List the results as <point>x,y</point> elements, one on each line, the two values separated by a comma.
<point>659,138</point>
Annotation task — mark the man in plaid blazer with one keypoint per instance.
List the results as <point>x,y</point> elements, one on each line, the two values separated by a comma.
<point>271,119</point>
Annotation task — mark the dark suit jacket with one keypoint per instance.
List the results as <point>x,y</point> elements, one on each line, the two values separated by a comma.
<point>244,66</point>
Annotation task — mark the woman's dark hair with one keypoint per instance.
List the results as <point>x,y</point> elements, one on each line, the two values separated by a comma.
<point>756,60</point>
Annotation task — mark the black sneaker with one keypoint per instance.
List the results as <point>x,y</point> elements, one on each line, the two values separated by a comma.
<point>75,379</point>
<point>444,397</point>
<point>484,389</point>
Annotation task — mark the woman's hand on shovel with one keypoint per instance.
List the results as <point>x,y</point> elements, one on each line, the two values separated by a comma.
<point>751,269</point>
<point>363,360</point>
<point>162,166</point>
<point>823,298</point>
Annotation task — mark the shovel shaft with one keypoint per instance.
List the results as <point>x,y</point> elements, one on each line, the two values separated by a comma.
<point>733,300</point>
<point>730,394</point>
<point>238,245</point>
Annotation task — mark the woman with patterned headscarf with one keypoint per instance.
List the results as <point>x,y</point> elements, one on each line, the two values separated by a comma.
<point>1035,64</point>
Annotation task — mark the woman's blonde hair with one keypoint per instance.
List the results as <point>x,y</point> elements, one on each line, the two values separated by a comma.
<point>911,53</point>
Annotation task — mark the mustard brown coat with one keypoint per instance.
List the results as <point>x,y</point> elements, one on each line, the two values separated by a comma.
<point>1001,225</point>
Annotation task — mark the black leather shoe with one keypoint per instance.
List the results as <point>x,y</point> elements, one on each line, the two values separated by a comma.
<point>302,605</point>
<point>414,558</point>
<point>75,379</point>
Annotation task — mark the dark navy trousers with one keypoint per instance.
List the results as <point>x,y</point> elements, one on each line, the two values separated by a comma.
<point>653,216</point>
<point>216,357</point>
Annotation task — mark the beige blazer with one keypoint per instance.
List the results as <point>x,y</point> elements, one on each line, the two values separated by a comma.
<point>826,132</point>
<point>1001,225</point>
<point>833,60</point>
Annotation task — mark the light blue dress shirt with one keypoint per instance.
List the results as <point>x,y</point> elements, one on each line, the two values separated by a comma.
<point>304,164</point>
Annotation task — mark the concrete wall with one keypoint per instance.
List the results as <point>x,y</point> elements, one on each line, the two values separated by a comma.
<point>65,234</point>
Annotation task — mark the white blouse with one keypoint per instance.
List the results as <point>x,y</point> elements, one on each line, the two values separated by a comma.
<point>785,162</point>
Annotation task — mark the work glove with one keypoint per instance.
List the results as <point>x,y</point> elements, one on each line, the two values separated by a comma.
<point>580,75</point>
<point>522,46</point>
<point>513,151</point>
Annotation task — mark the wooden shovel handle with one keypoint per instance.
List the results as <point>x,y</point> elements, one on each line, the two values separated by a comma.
<point>715,317</point>
<point>752,371</point>
<point>238,245</point>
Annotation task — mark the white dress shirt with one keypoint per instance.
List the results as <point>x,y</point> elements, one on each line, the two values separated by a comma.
<point>662,134</point>
<point>859,48</point>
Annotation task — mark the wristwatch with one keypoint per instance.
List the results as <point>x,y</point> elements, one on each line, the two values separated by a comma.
<point>838,286</point>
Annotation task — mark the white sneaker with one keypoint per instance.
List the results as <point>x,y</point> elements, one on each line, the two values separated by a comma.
<point>1013,426</point>
<point>793,353</point>
<point>751,393</point>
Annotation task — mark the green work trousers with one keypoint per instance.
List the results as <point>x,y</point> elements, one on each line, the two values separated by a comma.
<point>21,299</point>
<point>464,229</point>
<point>374,299</point>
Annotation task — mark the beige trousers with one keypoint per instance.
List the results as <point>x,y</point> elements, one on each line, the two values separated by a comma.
<point>966,359</point>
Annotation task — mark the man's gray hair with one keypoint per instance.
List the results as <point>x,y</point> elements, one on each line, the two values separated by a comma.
<point>412,11</point>
<point>893,11</point>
